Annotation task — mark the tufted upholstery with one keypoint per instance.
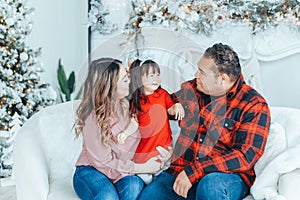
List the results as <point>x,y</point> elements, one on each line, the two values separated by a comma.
<point>45,151</point>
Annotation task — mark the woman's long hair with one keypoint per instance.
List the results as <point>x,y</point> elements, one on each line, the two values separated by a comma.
<point>100,95</point>
<point>136,89</point>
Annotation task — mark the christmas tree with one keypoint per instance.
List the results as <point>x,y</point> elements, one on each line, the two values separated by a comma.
<point>22,93</point>
<point>97,21</point>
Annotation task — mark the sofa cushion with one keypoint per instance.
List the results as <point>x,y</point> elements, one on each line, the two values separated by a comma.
<point>289,185</point>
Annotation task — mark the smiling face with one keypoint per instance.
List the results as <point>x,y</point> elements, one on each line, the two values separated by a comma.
<point>123,83</point>
<point>208,79</point>
<point>151,81</point>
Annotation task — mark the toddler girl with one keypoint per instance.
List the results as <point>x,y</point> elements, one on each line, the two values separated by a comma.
<point>150,104</point>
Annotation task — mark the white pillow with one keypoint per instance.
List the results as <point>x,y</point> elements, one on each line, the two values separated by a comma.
<point>276,144</point>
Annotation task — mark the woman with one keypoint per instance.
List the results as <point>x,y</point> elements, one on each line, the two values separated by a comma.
<point>105,168</point>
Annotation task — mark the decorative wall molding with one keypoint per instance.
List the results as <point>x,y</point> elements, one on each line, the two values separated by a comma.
<point>269,61</point>
<point>277,43</point>
<point>280,54</point>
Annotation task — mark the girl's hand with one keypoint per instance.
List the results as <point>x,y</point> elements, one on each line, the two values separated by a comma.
<point>121,138</point>
<point>179,111</point>
<point>164,154</point>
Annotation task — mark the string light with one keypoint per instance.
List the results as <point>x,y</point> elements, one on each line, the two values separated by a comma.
<point>15,71</point>
<point>5,47</point>
<point>27,90</point>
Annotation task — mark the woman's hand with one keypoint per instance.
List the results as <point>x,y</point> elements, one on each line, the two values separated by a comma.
<point>152,166</point>
<point>164,154</point>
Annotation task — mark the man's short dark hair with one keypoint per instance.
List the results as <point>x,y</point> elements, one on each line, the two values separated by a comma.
<point>226,60</point>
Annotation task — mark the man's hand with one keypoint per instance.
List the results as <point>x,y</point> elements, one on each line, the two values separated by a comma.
<point>182,184</point>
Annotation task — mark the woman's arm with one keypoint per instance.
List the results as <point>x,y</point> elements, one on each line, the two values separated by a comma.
<point>103,157</point>
<point>154,164</point>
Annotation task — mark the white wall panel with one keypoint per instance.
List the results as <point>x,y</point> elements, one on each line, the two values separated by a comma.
<point>59,27</point>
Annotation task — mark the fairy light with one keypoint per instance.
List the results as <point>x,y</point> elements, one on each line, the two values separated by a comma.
<point>15,26</point>
<point>5,47</point>
<point>28,90</point>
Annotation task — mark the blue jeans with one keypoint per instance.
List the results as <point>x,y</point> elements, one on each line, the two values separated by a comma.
<point>214,186</point>
<point>90,184</point>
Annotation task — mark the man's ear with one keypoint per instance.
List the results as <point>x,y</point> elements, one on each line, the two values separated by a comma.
<point>224,78</point>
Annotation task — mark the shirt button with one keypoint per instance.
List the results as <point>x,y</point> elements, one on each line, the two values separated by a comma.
<point>197,158</point>
<point>201,140</point>
<point>226,124</point>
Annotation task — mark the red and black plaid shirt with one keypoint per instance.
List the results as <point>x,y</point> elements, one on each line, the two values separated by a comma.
<point>220,134</point>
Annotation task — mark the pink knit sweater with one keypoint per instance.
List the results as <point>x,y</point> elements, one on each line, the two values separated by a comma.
<point>116,160</point>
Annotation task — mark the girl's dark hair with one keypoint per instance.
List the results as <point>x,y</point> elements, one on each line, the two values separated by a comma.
<point>136,90</point>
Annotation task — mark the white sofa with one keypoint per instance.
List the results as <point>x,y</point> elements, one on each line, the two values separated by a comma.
<point>45,151</point>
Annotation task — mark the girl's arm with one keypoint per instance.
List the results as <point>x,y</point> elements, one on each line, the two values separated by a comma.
<point>100,156</point>
<point>130,129</point>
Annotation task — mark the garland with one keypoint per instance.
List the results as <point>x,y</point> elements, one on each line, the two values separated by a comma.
<point>96,18</point>
<point>206,16</point>
<point>201,16</point>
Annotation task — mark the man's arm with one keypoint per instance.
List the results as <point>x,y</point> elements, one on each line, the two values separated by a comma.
<point>248,147</point>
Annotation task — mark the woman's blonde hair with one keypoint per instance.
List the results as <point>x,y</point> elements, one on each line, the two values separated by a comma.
<point>100,95</point>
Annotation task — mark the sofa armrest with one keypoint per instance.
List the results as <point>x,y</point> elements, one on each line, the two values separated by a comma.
<point>31,171</point>
<point>288,185</point>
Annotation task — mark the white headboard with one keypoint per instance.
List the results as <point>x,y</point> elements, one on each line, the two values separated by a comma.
<point>270,60</point>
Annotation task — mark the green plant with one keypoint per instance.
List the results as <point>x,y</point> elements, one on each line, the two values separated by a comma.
<point>67,86</point>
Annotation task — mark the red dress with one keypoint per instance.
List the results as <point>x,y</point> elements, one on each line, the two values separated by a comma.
<point>154,125</point>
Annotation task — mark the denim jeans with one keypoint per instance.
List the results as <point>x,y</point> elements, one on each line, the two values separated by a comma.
<point>90,184</point>
<point>214,186</point>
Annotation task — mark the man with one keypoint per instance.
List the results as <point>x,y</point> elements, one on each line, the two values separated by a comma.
<point>223,133</point>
